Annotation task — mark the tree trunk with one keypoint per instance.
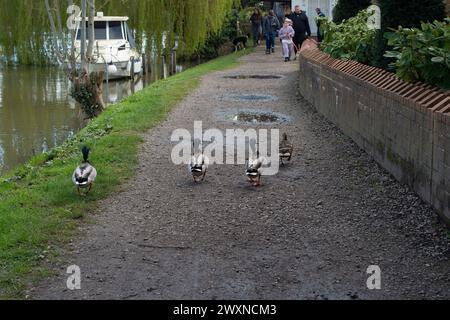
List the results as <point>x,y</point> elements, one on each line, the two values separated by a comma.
<point>83,36</point>
<point>88,91</point>
<point>87,87</point>
<point>91,33</point>
<point>71,58</point>
<point>98,89</point>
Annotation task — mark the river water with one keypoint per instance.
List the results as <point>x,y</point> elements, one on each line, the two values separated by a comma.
<point>37,114</point>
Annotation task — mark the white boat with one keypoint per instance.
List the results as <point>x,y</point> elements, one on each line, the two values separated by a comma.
<point>114,48</point>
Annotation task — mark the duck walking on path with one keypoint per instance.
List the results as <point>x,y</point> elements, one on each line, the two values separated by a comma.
<point>198,166</point>
<point>286,149</point>
<point>254,170</point>
<point>85,174</point>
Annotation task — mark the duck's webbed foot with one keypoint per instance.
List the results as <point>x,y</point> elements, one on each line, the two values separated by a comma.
<point>196,179</point>
<point>257,183</point>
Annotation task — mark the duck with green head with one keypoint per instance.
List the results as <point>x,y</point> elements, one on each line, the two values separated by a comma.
<point>85,174</point>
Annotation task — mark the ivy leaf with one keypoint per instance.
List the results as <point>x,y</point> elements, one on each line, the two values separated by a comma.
<point>392,54</point>
<point>437,59</point>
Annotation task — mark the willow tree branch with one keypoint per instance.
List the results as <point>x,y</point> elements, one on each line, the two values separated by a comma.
<point>54,32</point>
<point>60,29</point>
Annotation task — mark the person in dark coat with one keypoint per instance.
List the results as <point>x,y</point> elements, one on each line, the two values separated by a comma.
<point>256,20</point>
<point>271,26</point>
<point>301,27</point>
<point>320,14</point>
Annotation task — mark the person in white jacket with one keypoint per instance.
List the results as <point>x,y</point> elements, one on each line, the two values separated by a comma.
<point>286,35</point>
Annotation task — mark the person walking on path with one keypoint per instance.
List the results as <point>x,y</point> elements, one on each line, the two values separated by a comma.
<point>301,27</point>
<point>320,15</point>
<point>256,20</point>
<point>286,34</point>
<point>271,27</point>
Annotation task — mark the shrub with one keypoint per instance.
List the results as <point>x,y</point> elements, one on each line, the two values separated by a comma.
<point>215,40</point>
<point>422,54</point>
<point>410,13</point>
<point>350,40</point>
<point>405,13</point>
<point>346,9</point>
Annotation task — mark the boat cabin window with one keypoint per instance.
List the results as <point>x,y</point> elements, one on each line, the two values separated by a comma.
<point>129,35</point>
<point>101,30</point>
<point>115,30</point>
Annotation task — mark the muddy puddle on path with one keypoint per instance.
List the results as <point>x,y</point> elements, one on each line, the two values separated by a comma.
<point>255,76</point>
<point>249,97</point>
<point>256,117</point>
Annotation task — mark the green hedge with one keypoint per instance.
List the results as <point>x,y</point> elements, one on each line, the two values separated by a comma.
<point>346,9</point>
<point>415,54</point>
<point>422,54</point>
<point>350,40</point>
<point>407,14</point>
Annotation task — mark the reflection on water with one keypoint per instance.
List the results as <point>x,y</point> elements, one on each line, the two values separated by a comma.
<point>37,114</point>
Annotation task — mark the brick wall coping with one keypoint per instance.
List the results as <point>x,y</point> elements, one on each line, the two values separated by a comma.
<point>423,97</point>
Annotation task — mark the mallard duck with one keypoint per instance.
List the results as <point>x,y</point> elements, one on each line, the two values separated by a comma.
<point>254,170</point>
<point>198,166</point>
<point>85,174</point>
<point>286,149</point>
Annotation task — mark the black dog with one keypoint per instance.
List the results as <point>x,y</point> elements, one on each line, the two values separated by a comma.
<point>240,43</point>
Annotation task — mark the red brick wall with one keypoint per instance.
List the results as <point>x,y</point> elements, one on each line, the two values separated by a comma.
<point>405,127</point>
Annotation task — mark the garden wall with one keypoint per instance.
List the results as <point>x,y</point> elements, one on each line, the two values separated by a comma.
<point>405,127</point>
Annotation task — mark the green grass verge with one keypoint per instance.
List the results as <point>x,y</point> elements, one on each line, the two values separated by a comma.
<point>38,203</point>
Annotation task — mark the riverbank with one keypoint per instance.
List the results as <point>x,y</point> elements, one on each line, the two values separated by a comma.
<point>39,207</point>
<point>38,114</point>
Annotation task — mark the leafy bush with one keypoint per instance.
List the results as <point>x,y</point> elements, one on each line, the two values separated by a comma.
<point>405,13</point>
<point>212,45</point>
<point>350,40</point>
<point>346,9</point>
<point>215,40</point>
<point>236,23</point>
<point>410,13</point>
<point>422,54</point>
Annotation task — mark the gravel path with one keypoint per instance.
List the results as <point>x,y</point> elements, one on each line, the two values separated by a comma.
<point>308,233</point>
